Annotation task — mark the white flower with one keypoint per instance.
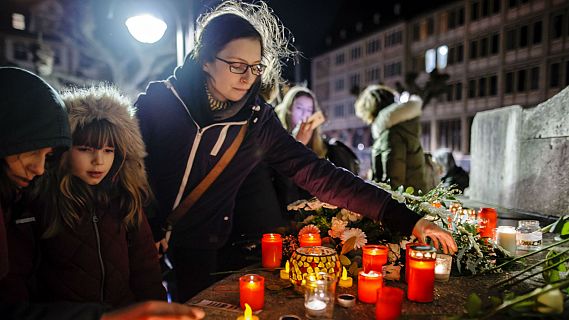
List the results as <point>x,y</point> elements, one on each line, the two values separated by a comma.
<point>361,238</point>
<point>338,227</point>
<point>297,205</point>
<point>314,204</point>
<point>347,215</point>
<point>309,229</point>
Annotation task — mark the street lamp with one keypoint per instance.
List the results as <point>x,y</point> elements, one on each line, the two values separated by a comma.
<point>147,28</point>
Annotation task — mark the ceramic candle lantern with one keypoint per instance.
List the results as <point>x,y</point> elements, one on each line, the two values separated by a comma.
<point>272,250</point>
<point>312,260</point>
<point>374,257</point>
<point>252,291</point>
<point>421,281</point>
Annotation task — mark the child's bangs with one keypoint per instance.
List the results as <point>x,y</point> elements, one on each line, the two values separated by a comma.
<point>96,134</point>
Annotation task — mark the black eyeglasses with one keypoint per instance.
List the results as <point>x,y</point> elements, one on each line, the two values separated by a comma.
<point>241,68</point>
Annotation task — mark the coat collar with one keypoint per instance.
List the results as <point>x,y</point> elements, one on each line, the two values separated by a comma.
<point>394,114</point>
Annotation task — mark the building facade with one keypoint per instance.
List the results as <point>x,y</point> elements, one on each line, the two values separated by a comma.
<point>496,52</point>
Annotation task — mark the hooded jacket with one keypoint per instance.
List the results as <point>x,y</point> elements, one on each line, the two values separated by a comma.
<point>397,155</point>
<point>178,142</point>
<point>32,116</point>
<point>99,260</point>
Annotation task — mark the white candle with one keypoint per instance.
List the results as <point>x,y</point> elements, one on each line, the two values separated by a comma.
<point>315,307</point>
<point>442,267</point>
<point>506,238</point>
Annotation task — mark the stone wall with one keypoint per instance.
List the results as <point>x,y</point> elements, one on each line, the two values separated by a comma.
<point>520,158</point>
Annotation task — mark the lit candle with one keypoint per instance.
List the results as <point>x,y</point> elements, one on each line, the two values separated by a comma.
<point>310,240</point>
<point>247,314</point>
<point>506,238</point>
<point>345,281</point>
<point>252,291</point>
<point>388,305</point>
<point>421,283</point>
<point>285,271</point>
<point>407,246</point>
<point>272,250</point>
<point>442,267</point>
<point>368,283</point>
<point>319,296</point>
<point>374,257</point>
<point>487,220</point>
<point>315,307</point>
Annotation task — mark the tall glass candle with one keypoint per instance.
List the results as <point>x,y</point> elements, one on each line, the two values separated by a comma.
<point>368,284</point>
<point>421,283</point>
<point>252,291</point>
<point>272,250</point>
<point>320,295</point>
<point>388,305</point>
<point>443,266</point>
<point>374,257</point>
<point>407,246</point>
<point>487,221</point>
<point>506,238</point>
<point>310,240</point>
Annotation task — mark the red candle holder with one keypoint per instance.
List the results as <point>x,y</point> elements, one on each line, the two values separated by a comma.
<point>310,240</point>
<point>388,305</point>
<point>272,250</point>
<point>407,246</point>
<point>252,291</point>
<point>487,222</point>
<point>421,283</point>
<point>368,284</point>
<point>374,257</point>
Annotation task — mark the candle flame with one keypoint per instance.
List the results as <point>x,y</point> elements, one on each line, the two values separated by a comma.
<point>247,315</point>
<point>287,267</point>
<point>344,274</point>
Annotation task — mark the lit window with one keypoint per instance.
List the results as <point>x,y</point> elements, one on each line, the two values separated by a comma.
<point>18,21</point>
<point>442,57</point>
<point>430,60</point>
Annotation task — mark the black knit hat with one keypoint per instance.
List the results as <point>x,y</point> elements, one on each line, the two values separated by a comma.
<point>32,115</point>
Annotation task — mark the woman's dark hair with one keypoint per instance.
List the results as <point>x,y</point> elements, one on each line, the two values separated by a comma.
<point>6,186</point>
<point>219,32</point>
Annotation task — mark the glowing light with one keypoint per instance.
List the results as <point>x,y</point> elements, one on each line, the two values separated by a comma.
<point>146,28</point>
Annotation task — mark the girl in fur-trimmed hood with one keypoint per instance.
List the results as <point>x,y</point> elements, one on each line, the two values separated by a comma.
<point>397,155</point>
<point>96,230</point>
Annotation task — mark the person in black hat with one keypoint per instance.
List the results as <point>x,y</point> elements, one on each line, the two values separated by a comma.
<point>33,130</point>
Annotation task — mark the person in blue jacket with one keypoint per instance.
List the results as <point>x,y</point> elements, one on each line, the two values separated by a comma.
<point>34,130</point>
<point>189,121</point>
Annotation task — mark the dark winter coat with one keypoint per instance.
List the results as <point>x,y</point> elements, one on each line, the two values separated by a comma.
<point>180,138</point>
<point>99,261</point>
<point>397,155</point>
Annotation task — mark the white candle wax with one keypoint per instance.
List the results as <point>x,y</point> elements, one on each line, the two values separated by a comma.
<point>315,307</point>
<point>506,238</point>
<point>442,267</point>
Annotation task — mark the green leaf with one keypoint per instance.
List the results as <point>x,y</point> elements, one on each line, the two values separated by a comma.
<point>348,245</point>
<point>410,190</point>
<point>473,305</point>
<point>565,229</point>
<point>353,269</point>
<point>345,261</point>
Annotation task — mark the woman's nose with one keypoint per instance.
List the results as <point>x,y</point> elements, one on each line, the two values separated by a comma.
<point>98,157</point>
<point>37,167</point>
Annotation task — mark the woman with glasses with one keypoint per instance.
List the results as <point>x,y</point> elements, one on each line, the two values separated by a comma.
<point>195,118</point>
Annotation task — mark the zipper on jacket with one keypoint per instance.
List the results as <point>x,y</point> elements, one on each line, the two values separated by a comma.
<point>100,255</point>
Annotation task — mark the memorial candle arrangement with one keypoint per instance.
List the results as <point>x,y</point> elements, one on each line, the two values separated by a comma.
<point>443,266</point>
<point>487,221</point>
<point>272,250</point>
<point>310,240</point>
<point>368,284</point>
<point>388,305</point>
<point>421,283</point>
<point>374,257</point>
<point>252,291</point>
<point>506,238</point>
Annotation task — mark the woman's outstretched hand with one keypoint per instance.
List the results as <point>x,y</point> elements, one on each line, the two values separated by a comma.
<point>156,310</point>
<point>426,229</point>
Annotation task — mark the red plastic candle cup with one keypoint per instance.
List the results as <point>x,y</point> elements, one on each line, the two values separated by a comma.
<point>310,240</point>
<point>368,284</point>
<point>374,257</point>
<point>487,221</point>
<point>407,246</point>
<point>252,291</point>
<point>272,250</point>
<point>388,305</point>
<point>421,282</point>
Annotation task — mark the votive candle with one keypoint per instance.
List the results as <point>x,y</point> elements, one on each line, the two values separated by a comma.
<point>345,281</point>
<point>421,283</point>
<point>368,284</point>
<point>285,271</point>
<point>487,220</point>
<point>407,246</point>
<point>272,250</point>
<point>388,305</point>
<point>247,314</point>
<point>252,291</point>
<point>443,266</point>
<point>374,257</point>
<point>506,238</point>
<point>310,240</point>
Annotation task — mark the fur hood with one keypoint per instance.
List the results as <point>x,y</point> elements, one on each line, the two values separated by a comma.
<point>395,114</point>
<point>107,103</point>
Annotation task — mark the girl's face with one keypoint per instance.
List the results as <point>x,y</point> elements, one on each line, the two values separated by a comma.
<point>91,164</point>
<point>302,109</point>
<point>24,167</point>
<point>226,85</point>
